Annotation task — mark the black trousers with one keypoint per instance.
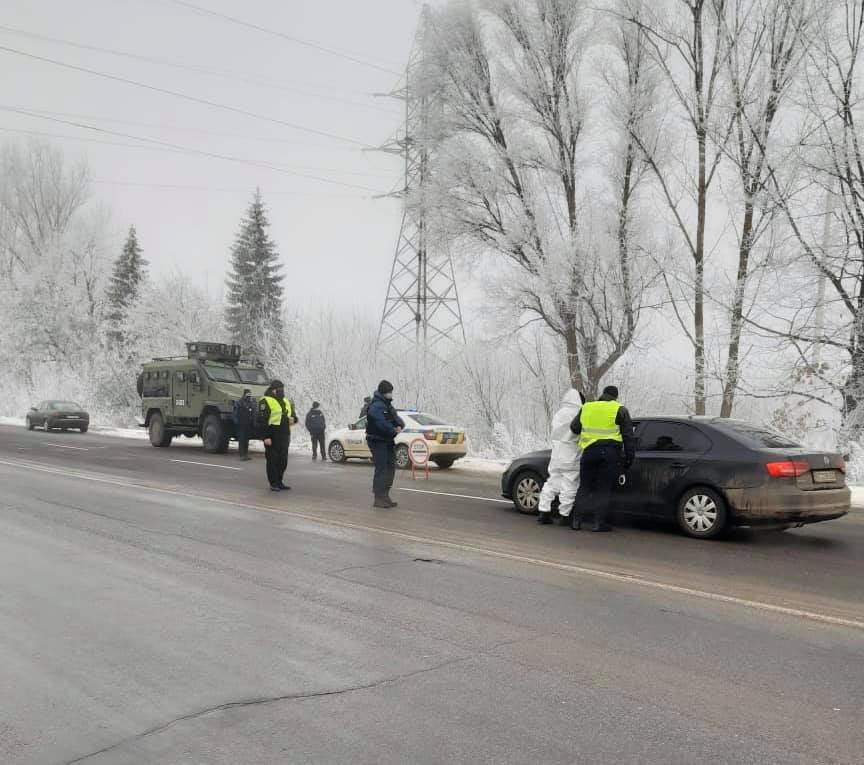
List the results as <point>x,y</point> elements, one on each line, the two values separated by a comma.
<point>384,458</point>
<point>318,443</point>
<point>598,476</point>
<point>243,439</point>
<point>277,459</point>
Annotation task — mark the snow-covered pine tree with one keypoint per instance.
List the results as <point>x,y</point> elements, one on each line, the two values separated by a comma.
<point>130,270</point>
<point>254,300</point>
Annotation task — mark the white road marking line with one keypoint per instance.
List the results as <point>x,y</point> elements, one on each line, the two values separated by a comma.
<point>461,496</point>
<point>64,446</point>
<point>757,605</point>
<point>206,464</point>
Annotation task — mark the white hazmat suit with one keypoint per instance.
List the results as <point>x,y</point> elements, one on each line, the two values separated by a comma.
<point>563,481</point>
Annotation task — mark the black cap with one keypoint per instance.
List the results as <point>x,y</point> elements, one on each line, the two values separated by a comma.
<point>276,384</point>
<point>385,387</point>
<point>246,390</point>
<point>611,391</point>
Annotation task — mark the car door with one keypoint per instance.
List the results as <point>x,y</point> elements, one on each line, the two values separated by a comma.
<point>181,395</point>
<point>665,453</point>
<point>38,417</point>
<point>355,440</point>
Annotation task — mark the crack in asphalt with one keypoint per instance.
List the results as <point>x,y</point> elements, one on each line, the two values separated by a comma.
<point>273,700</point>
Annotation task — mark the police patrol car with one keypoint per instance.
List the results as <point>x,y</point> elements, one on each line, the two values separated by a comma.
<point>447,443</point>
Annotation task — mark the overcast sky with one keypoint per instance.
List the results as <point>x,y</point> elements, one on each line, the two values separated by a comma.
<point>333,237</point>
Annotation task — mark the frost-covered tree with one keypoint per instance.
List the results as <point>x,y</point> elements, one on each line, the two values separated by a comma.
<point>512,172</point>
<point>254,295</point>
<point>130,271</point>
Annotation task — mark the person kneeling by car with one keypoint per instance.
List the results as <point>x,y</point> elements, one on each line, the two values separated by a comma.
<point>563,481</point>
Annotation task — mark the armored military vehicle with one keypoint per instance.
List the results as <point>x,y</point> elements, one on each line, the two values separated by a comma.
<point>194,395</point>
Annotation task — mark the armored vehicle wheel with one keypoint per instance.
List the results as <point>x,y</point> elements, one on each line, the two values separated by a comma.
<point>159,435</point>
<point>213,435</point>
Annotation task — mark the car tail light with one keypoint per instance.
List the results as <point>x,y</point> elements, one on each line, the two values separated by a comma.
<point>787,469</point>
<point>430,435</point>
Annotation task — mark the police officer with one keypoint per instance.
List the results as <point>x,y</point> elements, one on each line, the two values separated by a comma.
<point>275,417</point>
<point>383,424</point>
<point>244,421</point>
<point>606,438</point>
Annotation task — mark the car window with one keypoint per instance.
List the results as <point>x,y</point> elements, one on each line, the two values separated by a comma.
<point>64,405</point>
<point>221,372</point>
<point>756,435</point>
<point>360,424</point>
<point>42,406</point>
<point>254,376</point>
<point>180,377</point>
<point>671,437</point>
<point>426,419</point>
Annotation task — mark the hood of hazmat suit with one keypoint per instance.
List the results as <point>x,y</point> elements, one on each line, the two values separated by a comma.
<point>565,447</point>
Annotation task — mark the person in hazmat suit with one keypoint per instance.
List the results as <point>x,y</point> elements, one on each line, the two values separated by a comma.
<point>563,481</point>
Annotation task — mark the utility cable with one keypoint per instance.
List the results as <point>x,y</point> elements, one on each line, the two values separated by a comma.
<point>187,149</point>
<point>187,97</point>
<point>238,76</point>
<point>282,35</point>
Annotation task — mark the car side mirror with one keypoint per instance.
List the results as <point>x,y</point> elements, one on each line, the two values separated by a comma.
<point>33,409</point>
<point>352,426</point>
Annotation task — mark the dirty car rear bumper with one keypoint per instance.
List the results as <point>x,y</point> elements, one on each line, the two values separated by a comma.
<point>786,505</point>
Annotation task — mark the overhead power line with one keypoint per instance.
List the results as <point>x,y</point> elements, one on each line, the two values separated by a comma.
<point>188,149</point>
<point>209,71</point>
<point>185,187</point>
<point>186,97</point>
<point>290,38</point>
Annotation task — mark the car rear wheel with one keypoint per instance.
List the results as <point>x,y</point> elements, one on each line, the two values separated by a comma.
<point>213,435</point>
<point>336,452</point>
<point>159,436</point>
<point>444,464</point>
<point>403,459</point>
<point>702,513</point>
<point>30,425</point>
<point>526,491</point>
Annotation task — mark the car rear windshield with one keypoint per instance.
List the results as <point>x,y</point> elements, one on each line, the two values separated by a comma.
<point>426,419</point>
<point>221,372</point>
<point>254,376</point>
<point>64,405</point>
<point>758,436</point>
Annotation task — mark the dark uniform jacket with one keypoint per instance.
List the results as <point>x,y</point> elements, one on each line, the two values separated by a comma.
<point>244,412</point>
<point>315,422</point>
<point>382,420</point>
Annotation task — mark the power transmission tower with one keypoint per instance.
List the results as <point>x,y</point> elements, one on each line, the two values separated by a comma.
<point>421,310</point>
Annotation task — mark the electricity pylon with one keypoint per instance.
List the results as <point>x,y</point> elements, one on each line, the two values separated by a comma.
<point>421,310</point>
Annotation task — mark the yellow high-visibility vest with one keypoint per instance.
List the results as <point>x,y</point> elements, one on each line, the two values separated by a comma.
<point>276,410</point>
<point>598,423</point>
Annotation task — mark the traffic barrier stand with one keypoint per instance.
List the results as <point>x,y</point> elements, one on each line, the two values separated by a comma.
<point>418,453</point>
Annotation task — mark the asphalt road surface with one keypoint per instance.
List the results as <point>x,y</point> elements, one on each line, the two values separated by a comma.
<point>162,606</point>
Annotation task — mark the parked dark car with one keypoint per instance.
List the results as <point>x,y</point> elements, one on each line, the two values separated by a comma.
<point>59,415</point>
<point>708,473</point>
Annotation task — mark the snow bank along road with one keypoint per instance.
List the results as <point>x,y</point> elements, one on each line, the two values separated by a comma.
<point>160,605</point>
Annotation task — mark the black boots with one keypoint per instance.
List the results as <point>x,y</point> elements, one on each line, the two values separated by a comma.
<point>544,518</point>
<point>575,522</point>
<point>384,503</point>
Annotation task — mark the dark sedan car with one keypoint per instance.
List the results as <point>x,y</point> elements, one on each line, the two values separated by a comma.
<point>58,415</point>
<point>708,473</point>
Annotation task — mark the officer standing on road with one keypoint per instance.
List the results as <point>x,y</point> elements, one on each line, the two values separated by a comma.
<point>275,417</point>
<point>316,425</point>
<point>605,431</point>
<point>383,424</point>
<point>563,481</point>
<point>244,421</point>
